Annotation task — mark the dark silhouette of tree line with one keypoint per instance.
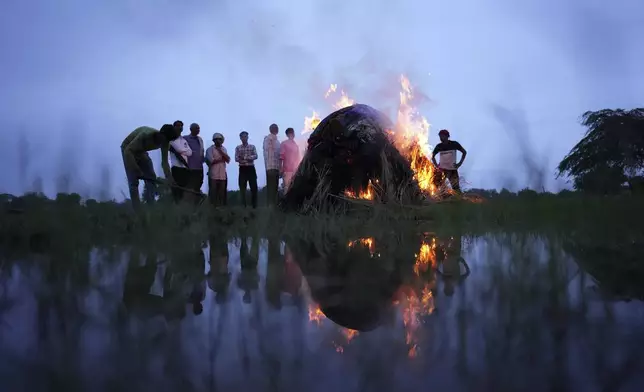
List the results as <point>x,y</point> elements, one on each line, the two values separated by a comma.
<point>610,156</point>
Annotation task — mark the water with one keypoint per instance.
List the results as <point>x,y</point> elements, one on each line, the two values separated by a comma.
<point>502,312</point>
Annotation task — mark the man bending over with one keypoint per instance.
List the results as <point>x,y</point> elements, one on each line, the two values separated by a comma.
<point>138,165</point>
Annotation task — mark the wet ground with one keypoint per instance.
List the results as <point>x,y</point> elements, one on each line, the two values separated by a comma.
<point>409,313</point>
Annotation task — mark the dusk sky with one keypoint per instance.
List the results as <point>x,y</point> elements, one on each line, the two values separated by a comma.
<point>508,78</point>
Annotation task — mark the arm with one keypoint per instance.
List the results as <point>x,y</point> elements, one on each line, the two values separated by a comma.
<point>463,154</point>
<point>224,155</point>
<point>434,156</point>
<point>266,146</point>
<point>206,156</point>
<point>165,165</point>
<point>181,148</point>
<point>238,157</point>
<point>467,268</point>
<point>253,155</point>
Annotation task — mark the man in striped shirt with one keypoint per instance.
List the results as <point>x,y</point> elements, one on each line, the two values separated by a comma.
<point>245,156</point>
<point>273,164</point>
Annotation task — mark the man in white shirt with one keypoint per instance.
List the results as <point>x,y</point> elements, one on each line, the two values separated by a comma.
<point>273,164</point>
<point>448,167</point>
<point>180,151</point>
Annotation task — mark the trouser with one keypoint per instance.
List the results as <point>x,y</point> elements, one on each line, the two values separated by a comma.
<point>196,180</point>
<point>218,192</point>
<point>248,176</point>
<point>272,182</point>
<point>451,175</point>
<point>287,177</point>
<point>181,177</point>
<point>144,164</point>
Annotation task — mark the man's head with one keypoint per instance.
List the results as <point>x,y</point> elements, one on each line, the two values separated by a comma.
<point>218,139</point>
<point>243,136</point>
<point>443,135</point>
<point>194,129</point>
<point>169,132</point>
<point>290,133</point>
<point>273,129</point>
<point>178,126</point>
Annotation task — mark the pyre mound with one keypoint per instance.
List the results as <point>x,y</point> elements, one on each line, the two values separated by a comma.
<point>349,149</point>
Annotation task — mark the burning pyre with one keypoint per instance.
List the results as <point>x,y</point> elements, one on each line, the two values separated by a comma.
<point>409,134</point>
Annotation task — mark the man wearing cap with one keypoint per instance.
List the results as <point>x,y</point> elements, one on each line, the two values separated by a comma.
<point>447,167</point>
<point>245,155</point>
<point>196,160</point>
<point>216,159</point>
<point>137,162</point>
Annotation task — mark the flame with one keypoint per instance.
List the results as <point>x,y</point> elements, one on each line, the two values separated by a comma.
<point>410,135</point>
<point>367,194</point>
<point>416,304</point>
<point>366,242</point>
<point>316,316</point>
<point>426,257</point>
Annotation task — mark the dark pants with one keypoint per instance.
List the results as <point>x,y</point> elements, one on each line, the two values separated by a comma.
<point>218,192</point>
<point>181,178</point>
<point>144,164</point>
<point>196,179</point>
<point>272,182</point>
<point>248,176</point>
<point>451,175</point>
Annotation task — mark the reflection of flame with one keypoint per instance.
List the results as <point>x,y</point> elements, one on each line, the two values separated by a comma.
<point>414,304</point>
<point>366,242</point>
<point>316,316</point>
<point>410,134</point>
<point>426,257</point>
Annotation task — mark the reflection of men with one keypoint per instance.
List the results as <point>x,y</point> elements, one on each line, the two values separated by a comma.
<point>449,256</point>
<point>219,276</point>
<point>448,167</point>
<point>274,274</point>
<point>248,280</point>
<point>138,165</point>
<point>184,281</point>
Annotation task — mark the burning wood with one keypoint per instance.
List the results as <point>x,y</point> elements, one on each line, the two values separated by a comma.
<point>351,153</point>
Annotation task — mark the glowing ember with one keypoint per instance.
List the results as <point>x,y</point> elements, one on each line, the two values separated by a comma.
<point>315,314</point>
<point>367,194</point>
<point>410,135</point>
<point>366,242</point>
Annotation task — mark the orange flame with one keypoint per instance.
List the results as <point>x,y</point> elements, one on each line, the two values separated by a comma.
<point>366,242</point>
<point>410,136</point>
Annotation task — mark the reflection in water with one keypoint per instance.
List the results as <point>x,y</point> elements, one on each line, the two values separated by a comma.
<point>514,316</point>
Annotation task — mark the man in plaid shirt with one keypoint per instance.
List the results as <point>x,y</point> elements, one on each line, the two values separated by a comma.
<point>245,156</point>
<point>273,164</point>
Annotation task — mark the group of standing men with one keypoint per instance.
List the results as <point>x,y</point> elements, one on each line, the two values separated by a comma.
<point>183,158</point>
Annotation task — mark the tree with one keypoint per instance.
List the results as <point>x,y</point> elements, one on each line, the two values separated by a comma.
<point>610,153</point>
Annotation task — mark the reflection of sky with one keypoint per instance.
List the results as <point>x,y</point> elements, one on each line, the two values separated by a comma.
<point>245,343</point>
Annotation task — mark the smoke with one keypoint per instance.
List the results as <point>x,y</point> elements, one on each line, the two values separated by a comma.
<point>515,124</point>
